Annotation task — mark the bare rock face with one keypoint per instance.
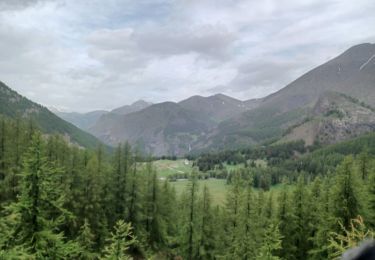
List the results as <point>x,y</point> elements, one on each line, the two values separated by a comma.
<point>344,118</point>
<point>335,117</point>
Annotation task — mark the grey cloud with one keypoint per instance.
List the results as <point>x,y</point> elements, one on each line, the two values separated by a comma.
<point>101,54</point>
<point>20,4</point>
<point>124,44</point>
<point>212,41</point>
<point>260,77</point>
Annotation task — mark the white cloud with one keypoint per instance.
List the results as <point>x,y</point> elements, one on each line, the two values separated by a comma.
<point>84,55</point>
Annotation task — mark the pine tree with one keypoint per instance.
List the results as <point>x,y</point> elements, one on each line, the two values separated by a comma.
<point>154,226</point>
<point>91,199</point>
<point>207,240</point>
<point>285,219</point>
<point>118,187</point>
<point>2,149</point>
<point>301,230</point>
<point>169,212</point>
<point>371,200</point>
<point>324,224</point>
<point>350,238</point>
<point>364,164</point>
<point>271,243</point>
<point>250,223</point>
<point>134,199</point>
<point>233,216</point>
<point>189,216</point>
<point>119,242</point>
<point>345,202</point>
<point>85,240</point>
<point>73,189</point>
<point>39,212</point>
<point>267,210</point>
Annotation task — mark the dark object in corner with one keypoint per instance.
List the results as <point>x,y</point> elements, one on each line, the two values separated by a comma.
<point>366,251</point>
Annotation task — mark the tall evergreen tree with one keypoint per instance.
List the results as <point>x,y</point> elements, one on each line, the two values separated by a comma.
<point>134,199</point>
<point>325,222</point>
<point>250,224</point>
<point>271,243</point>
<point>345,201</point>
<point>169,212</point>
<point>189,231</point>
<point>364,163</point>
<point>371,200</point>
<point>119,242</point>
<point>234,226</point>
<point>207,239</point>
<point>285,219</point>
<point>118,187</point>
<point>2,149</point>
<point>152,210</point>
<point>301,216</point>
<point>91,199</point>
<point>85,241</point>
<point>39,212</point>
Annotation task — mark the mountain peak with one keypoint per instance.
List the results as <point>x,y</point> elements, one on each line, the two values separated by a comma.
<point>221,95</point>
<point>362,46</point>
<point>134,107</point>
<point>141,103</point>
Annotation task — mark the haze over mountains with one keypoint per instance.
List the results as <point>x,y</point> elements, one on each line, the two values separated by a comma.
<point>87,120</point>
<point>198,123</point>
<point>169,127</point>
<point>330,103</point>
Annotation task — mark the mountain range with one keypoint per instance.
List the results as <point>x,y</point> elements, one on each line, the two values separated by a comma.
<point>351,73</point>
<point>87,120</point>
<point>169,127</point>
<point>330,103</point>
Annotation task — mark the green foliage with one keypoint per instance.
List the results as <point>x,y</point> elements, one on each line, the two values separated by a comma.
<point>61,202</point>
<point>39,211</point>
<point>345,200</point>
<point>271,243</point>
<point>208,237</point>
<point>349,237</point>
<point>119,242</point>
<point>85,240</point>
<point>189,235</point>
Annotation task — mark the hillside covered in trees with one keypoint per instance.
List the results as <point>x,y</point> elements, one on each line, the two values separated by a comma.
<point>62,202</point>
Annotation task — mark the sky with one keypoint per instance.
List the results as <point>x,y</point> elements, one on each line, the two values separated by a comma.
<point>84,55</point>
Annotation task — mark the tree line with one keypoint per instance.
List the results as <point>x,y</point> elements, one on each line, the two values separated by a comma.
<point>60,201</point>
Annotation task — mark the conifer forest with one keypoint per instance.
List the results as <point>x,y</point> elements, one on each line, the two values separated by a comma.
<point>59,201</point>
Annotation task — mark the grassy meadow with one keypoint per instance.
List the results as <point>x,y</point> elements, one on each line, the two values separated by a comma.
<point>166,168</point>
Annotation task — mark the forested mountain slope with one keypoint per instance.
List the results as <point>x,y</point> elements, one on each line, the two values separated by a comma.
<point>164,128</point>
<point>14,105</point>
<point>217,107</point>
<point>168,128</point>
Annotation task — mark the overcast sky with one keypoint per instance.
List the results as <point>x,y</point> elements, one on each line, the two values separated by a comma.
<point>81,55</point>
